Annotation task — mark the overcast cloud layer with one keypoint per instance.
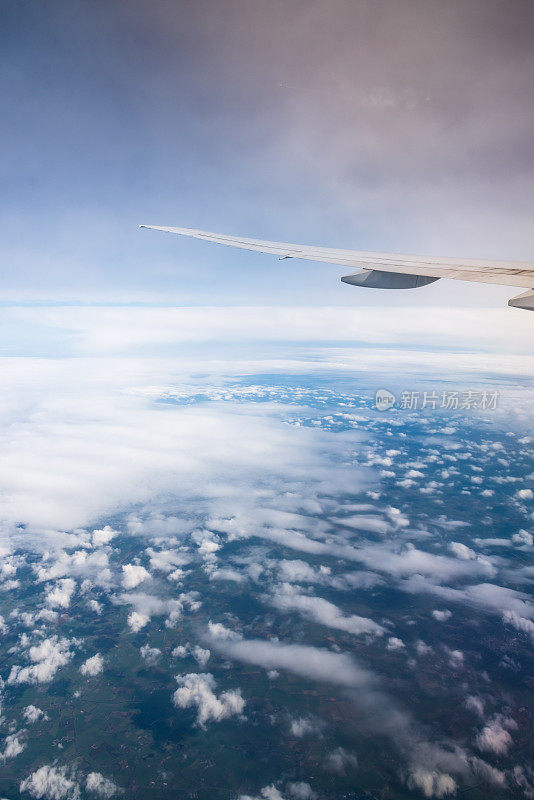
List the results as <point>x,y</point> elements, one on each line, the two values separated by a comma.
<point>400,125</point>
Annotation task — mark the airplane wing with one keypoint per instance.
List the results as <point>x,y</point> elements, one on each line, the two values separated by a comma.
<point>387,270</point>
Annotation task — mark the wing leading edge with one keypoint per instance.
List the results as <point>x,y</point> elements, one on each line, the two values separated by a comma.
<point>376,266</point>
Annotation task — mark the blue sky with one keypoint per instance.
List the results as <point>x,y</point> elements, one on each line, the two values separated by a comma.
<point>402,126</point>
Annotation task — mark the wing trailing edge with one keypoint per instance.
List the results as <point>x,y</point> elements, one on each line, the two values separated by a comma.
<point>386,270</point>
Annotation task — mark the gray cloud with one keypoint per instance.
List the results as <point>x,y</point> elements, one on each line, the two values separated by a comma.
<point>495,735</point>
<point>399,125</point>
<point>286,598</point>
<point>310,662</point>
<point>491,597</point>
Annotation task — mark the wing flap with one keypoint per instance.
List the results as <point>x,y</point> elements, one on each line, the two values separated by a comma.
<point>506,273</point>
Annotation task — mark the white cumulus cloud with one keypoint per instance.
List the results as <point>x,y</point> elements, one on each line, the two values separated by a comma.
<point>394,643</point>
<point>100,786</point>
<point>60,595</point>
<point>462,551</point>
<point>151,655</point>
<point>47,657</point>
<point>52,783</point>
<point>133,575</point>
<point>442,616</point>
<point>523,537</point>
<point>32,714</point>
<point>201,655</point>
<point>494,736</point>
<point>432,783</point>
<point>93,666</point>
<point>197,690</point>
<point>14,744</point>
<point>301,791</point>
<point>304,726</point>
<point>103,536</point>
<point>339,760</point>
<point>136,621</point>
<point>519,623</point>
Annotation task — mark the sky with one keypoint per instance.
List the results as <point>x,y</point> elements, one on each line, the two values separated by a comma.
<point>384,125</point>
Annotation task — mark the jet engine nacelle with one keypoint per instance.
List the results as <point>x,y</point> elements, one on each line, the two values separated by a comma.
<point>376,279</point>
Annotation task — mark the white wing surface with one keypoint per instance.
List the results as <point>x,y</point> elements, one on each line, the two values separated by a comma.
<point>507,273</point>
